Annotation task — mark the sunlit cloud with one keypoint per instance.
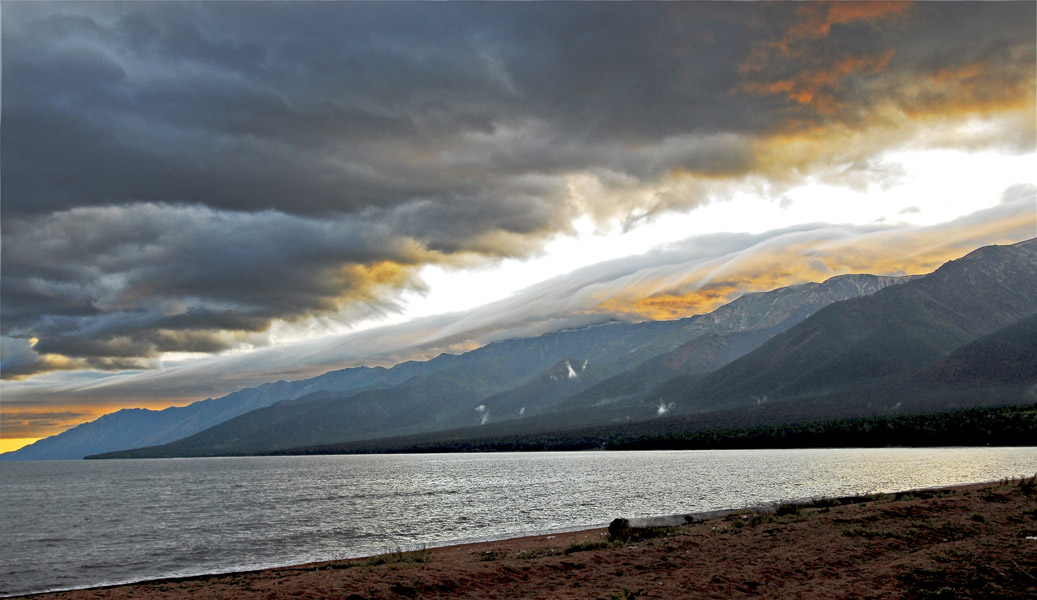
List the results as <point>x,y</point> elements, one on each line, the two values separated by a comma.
<point>22,426</point>
<point>677,280</point>
<point>181,204</point>
<point>814,20</point>
<point>814,253</point>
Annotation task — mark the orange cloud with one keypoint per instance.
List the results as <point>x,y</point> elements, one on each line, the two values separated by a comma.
<point>366,279</point>
<point>24,425</point>
<point>660,288</point>
<point>672,305</point>
<point>832,151</point>
<point>808,67</point>
<point>818,87</point>
<point>981,86</point>
<point>810,72</point>
<point>813,23</point>
<point>807,257</point>
<point>815,20</point>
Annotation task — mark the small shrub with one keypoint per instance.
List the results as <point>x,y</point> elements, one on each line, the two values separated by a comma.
<point>1028,486</point>
<point>340,564</point>
<point>994,496</point>
<point>859,532</point>
<point>538,553</point>
<point>760,518</point>
<point>587,545</point>
<point>399,556</point>
<point>952,555</point>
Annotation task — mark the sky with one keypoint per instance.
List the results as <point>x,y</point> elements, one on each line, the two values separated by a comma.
<point>199,197</point>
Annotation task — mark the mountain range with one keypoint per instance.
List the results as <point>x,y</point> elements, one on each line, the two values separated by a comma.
<point>963,335</point>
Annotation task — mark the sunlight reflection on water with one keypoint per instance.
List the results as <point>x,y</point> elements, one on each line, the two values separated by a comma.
<point>84,523</point>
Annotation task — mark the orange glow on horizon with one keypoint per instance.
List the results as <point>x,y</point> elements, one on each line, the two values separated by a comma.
<point>12,444</point>
<point>22,426</point>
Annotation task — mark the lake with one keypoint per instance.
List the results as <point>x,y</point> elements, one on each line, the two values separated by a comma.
<point>67,524</point>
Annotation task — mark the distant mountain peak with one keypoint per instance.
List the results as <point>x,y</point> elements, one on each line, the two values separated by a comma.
<point>521,377</point>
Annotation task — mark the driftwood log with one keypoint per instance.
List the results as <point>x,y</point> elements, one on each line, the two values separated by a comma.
<point>625,529</point>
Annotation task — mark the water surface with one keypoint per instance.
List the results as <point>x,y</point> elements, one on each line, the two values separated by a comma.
<point>68,524</point>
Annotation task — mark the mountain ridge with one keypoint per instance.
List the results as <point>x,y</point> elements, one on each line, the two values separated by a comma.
<point>889,332</point>
<point>441,399</point>
<point>856,357</point>
<point>751,350</point>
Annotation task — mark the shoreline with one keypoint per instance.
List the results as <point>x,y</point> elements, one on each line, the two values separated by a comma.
<point>546,536</point>
<point>881,545</point>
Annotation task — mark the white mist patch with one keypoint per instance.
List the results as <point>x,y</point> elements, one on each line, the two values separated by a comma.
<point>572,373</point>
<point>522,411</point>
<point>481,409</point>
<point>664,408</point>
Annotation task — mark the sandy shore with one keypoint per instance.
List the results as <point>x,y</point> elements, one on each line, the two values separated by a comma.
<point>976,541</point>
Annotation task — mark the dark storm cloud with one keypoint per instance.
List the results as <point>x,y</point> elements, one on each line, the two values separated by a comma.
<point>138,280</point>
<point>340,107</point>
<point>704,271</point>
<point>178,176</point>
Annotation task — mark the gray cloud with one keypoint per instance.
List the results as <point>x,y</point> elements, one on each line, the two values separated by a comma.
<point>718,267</point>
<point>148,278</point>
<point>1020,192</point>
<point>338,108</point>
<point>178,176</point>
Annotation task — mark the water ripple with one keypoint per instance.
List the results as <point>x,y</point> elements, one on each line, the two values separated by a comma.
<point>84,523</point>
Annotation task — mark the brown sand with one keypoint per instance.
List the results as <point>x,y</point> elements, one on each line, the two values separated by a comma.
<point>975,541</point>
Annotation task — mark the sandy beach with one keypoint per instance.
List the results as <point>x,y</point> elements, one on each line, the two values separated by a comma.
<point>976,541</point>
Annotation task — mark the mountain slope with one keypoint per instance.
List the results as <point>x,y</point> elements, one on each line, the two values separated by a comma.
<point>696,357</point>
<point>566,378</point>
<point>138,427</point>
<point>1007,356</point>
<point>896,331</point>
<point>996,370</point>
<point>129,428</point>
<point>438,401</point>
<point>732,331</point>
<point>775,310</point>
<point>502,377</point>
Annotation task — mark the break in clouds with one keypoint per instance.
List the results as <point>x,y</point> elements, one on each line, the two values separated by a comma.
<point>698,275</point>
<point>179,176</point>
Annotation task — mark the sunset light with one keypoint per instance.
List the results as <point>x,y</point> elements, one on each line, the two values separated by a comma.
<point>467,300</point>
<point>294,199</point>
